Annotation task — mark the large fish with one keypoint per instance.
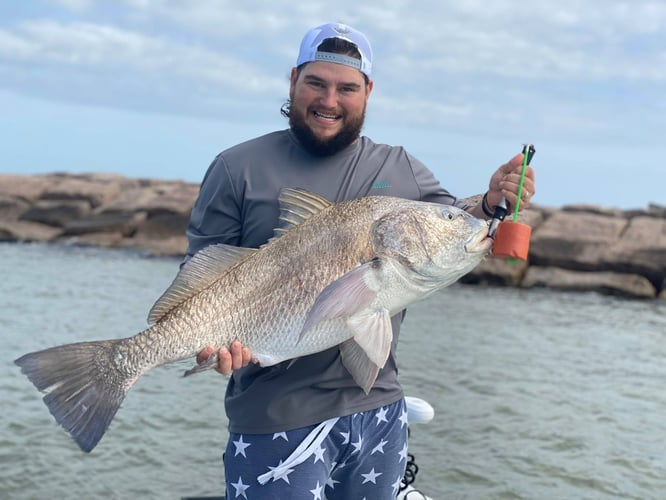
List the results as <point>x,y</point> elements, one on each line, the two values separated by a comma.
<point>334,274</point>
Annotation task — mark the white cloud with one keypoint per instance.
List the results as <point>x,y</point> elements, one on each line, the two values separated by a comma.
<point>74,5</point>
<point>423,111</point>
<point>225,19</point>
<point>454,62</point>
<point>575,40</point>
<point>15,47</point>
<point>87,47</point>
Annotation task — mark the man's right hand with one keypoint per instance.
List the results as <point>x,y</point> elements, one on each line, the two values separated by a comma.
<point>233,358</point>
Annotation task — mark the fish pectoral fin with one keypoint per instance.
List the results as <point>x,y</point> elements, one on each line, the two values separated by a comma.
<point>342,298</point>
<point>355,360</point>
<point>212,362</point>
<point>373,332</point>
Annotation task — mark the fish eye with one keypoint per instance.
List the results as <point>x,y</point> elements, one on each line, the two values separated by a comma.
<point>446,213</point>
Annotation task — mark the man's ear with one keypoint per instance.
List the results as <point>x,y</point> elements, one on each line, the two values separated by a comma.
<point>369,89</point>
<point>292,82</point>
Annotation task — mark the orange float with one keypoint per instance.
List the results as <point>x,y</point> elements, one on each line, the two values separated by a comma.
<point>512,240</point>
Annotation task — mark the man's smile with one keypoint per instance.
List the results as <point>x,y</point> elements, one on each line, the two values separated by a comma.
<point>326,116</point>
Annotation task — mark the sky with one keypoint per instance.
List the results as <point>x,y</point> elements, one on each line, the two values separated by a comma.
<point>156,88</point>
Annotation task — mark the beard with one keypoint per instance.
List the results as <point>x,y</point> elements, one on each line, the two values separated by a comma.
<point>349,133</point>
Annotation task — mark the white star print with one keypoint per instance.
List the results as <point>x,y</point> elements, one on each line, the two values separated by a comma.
<point>284,475</point>
<point>379,448</point>
<point>240,447</point>
<point>396,485</point>
<point>319,454</point>
<point>371,477</point>
<point>331,483</point>
<point>316,493</point>
<point>403,419</point>
<point>345,436</point>
<point>357,445</point>
<point>280,435</point>
<point>403,453</point>
<point>240,488</point>
<point>381,415</point>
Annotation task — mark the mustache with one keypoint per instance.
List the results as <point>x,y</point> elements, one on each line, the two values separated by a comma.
<point>349,133</point>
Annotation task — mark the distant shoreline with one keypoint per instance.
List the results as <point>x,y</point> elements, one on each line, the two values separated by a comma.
<point>581,247</point>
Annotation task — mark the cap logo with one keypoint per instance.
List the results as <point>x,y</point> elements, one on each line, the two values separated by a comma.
<point>341,29</point>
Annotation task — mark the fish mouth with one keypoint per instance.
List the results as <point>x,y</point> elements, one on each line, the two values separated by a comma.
<point>479,243</point>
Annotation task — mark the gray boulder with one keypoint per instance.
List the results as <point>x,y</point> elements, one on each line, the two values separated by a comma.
<point>629,285</point>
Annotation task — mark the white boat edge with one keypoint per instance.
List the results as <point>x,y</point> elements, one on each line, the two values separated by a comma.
<point>412,494</point>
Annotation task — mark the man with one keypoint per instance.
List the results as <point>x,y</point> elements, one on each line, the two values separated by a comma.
<point>306,430</point>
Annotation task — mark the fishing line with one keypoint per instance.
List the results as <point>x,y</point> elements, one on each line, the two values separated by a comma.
<point>528,152</point>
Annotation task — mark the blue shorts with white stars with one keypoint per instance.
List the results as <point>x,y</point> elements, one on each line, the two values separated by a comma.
<point>361,456</point>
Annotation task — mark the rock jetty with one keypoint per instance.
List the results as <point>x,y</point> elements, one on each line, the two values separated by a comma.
<point>583,248</point>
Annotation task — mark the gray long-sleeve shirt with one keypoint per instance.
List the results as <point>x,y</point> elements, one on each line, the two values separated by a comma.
<point>237,205</point>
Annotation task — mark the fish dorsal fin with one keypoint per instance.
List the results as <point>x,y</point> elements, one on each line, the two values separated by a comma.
<point>297,206</point>
<point>198,273</point>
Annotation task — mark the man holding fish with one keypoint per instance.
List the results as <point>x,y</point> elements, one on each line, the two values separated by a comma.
<point>304,428</point>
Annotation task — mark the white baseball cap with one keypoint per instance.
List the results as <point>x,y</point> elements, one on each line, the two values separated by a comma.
<point>313,39</point>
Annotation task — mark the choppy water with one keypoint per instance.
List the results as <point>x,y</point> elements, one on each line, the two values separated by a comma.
<point>538,394</point>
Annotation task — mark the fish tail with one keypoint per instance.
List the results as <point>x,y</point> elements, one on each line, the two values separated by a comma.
<point>83,388</point>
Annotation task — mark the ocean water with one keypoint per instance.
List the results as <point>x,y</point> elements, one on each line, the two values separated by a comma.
<point>537,394</point>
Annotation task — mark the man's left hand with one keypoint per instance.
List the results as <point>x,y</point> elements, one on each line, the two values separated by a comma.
<point>505,182</point>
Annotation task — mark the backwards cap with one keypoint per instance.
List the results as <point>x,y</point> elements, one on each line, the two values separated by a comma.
<point>313,39</point>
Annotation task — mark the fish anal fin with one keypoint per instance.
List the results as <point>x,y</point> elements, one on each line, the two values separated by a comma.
<point>212,361</point>
<point>344,297</point>
<point>197,274</point>
<point>355,360</point>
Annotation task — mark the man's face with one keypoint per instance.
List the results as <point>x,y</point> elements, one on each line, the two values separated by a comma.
<point>328,103</point>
